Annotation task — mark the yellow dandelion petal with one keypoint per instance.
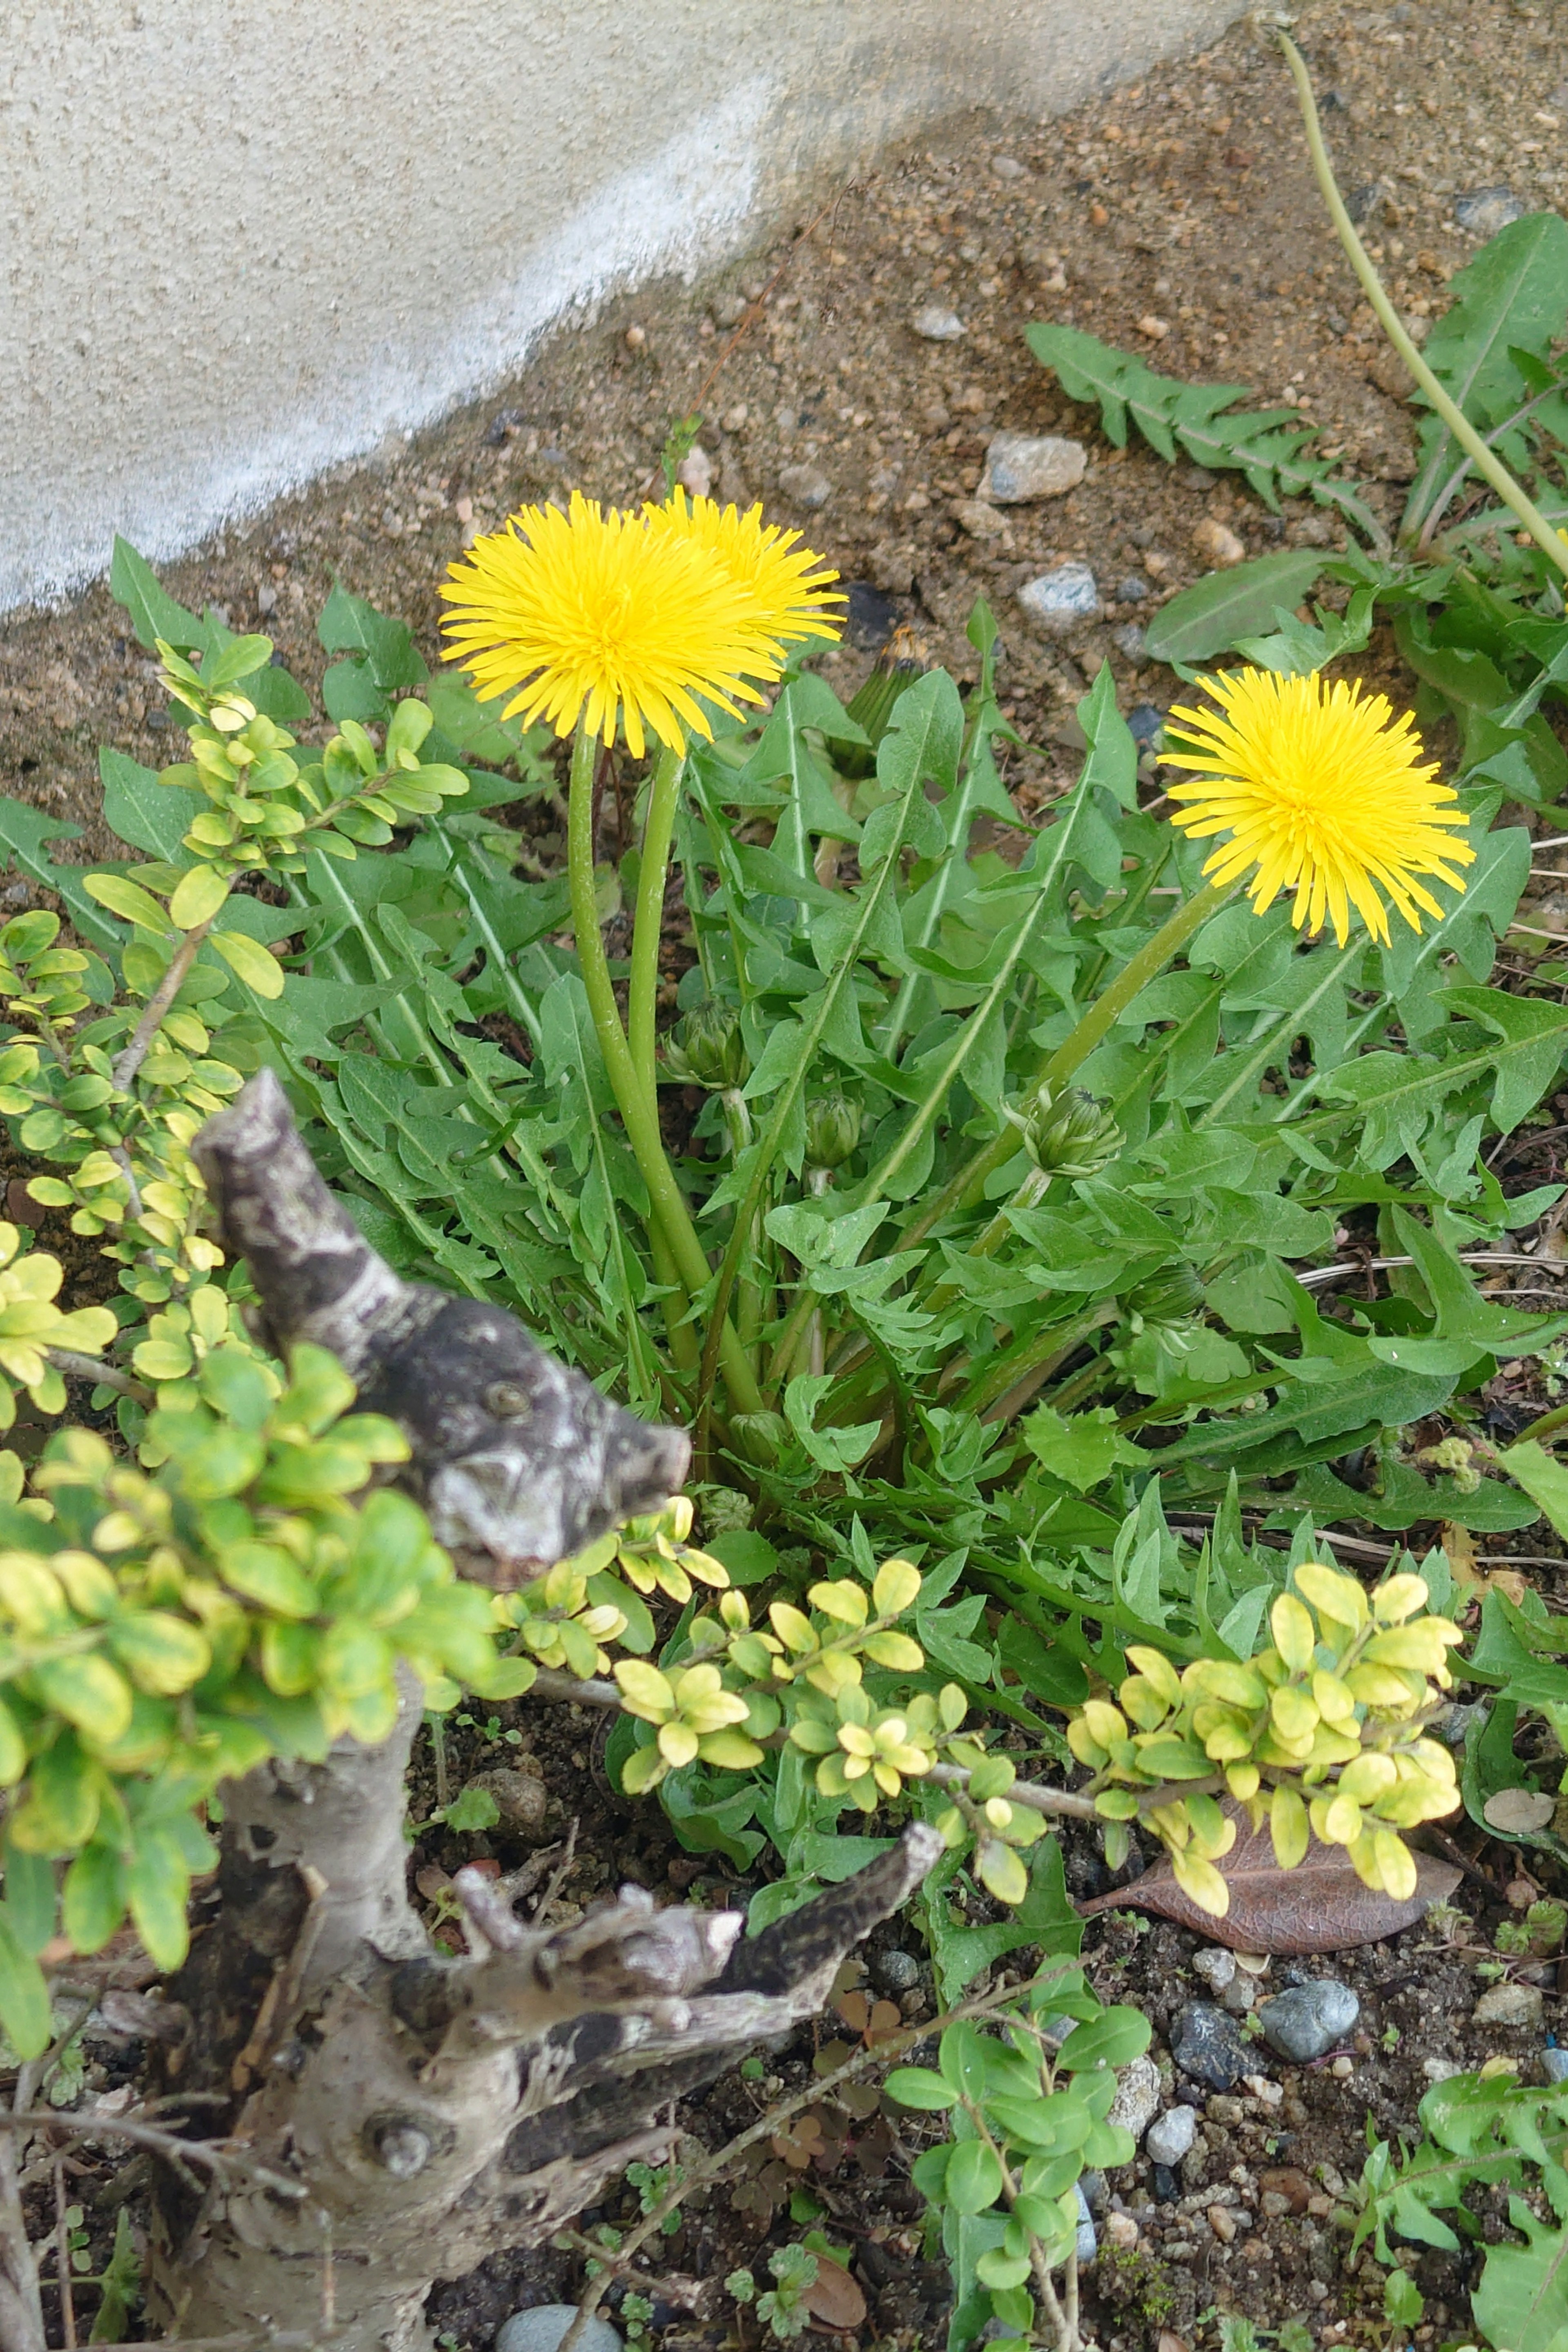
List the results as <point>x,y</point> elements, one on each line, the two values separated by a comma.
<point>1323,794</point>
<point>594,615</point>
<point>785,588</point>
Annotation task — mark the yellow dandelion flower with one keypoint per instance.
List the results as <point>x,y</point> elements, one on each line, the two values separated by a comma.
<point>785,585</point>
<point>594,616</point>
<point>1321,794</point>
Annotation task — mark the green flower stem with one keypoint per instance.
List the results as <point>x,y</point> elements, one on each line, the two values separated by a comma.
<point>1485,460</point>
<point>638,1114</point>
<point>1035,1357</point>
<point>1076,1048</point>
<point>658,832</point>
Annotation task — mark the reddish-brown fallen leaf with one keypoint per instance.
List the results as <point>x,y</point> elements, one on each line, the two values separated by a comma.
<point>835,2304</point>
<point>1319,1906</point>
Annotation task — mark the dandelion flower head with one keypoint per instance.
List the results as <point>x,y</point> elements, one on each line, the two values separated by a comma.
<point>1321,792</point>
<point>600,618</point>
<point>785,586</point>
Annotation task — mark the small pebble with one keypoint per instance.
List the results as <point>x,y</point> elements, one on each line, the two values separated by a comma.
<point>1164,2183</point>
<point>636,341</point>
<point>935,325</point>
<point>1131,590</point>
<point>1222,2221</point>
<point>1307,2021</point>
<point>1121,2228</point>
<point>1343,2067</point>
<point>1217,544</point>
<point>1224,2111</point>
<point>520,1797</point>
<point>1144,723</point>
<point>1291,2186</point>
<point>1007,167</point>
<point>980,521</point>
<point>1137,2099</point>
<point>1272,2094</point>
<point>730,310</point>
<point>1170,2136</point>
<point>806,486</point>
<point>734,419</point>
<point>895,1971</point>
<point>1207,2046</point>
<point>1483,211</point>
<point>1511,2004</point>
<point>1133,644</point>
<point>1020,466</point>
<point>1059,600</point>
<point>695,472</point>
<point>1555,2063</point>
<point>1155,328</point>
<point>1441,2069</point>
<point>542,2329</point>
<point>1240,1994</point>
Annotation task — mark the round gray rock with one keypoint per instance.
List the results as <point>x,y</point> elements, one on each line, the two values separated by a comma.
<point>1057,601</point>
<point>1170,2136</point>
<point>1511,2004</point>
<point>1484,211</point>
<point>1308,2020</point>
<point>1215,1965</point>
<point>895,1971</point>
<point>1206,2045</point>
<point>542,2329</point>
<point>1020,466</point>
<point>1555,2063</point>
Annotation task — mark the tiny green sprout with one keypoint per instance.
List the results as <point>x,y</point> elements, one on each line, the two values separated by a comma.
<point>752,2069</point>
<point>472,1810</point>
<point>1390,2037</point>
<point>742,2286</point>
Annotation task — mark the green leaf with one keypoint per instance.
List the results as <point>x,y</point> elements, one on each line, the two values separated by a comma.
<point>1522,2296</point>
<point>1511,296</point>
<point>1208,617</point>
<point>1113,2039</point>
<point>128,899</point>
<point>197,896</point>
<point>1543,1478</point>
<point>259,970</point>
<point>917,2086</point>
<point>153,612</point>
<point>973,2179</point>
<point>142,809</point>
<point>24,1997</point>
<point>1080,1448</point>
<point>94,1897</point>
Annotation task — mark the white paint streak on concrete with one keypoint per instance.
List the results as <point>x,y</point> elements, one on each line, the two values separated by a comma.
<point>241,240</point>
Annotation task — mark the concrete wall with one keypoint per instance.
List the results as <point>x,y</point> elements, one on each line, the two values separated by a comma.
<point>243,239</point>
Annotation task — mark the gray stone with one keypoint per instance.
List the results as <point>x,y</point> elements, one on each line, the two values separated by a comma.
<point>895,1971</point>
<point>1239,1995</point>
<point>1086,2245</point>
<point>542,2329</point>
<point>1308,2020</point>
<point>1483,211</point>
<point>1145,722</point>
<point>1216,1967</point>
<point>936,325</point>
<point>519,1796</point>
<point>1007,167</point>
<point>1020,466</point>
<point>1511,2004</point>
<point>1555,2063</point>
<point>1131,590</point>
<point>1131,642</point>
<point>1137,2097</point>
<point>806,486</point>
<point>1060,600</point>
<point>1170,2136</point>
<point>1206,2045</point>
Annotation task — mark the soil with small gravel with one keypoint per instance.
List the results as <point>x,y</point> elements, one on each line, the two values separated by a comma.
<point>1175,216</point>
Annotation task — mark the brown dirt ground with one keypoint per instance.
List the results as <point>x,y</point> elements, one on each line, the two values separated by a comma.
<point>1184,199</point>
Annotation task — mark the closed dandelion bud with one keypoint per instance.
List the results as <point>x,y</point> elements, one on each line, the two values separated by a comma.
<point>708,1049</point>
<point>1172,1296</point>
<point>759,1437</point>
<point>832,1129</point>
<point>1071,1135</point>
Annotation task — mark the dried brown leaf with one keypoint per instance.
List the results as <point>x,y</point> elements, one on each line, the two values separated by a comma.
<point>834,2302</point>
<point>1319,1906</point>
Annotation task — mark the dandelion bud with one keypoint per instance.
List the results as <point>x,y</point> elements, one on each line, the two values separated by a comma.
<point>897,666</point>
<point>1067,1134</point>
<point>832,1129</point>
<point>708,1049</point>
<point>759,1437</point>
<point>1169,1297</point>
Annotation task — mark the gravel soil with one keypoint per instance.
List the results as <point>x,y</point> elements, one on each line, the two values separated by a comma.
<point>1177,217</point>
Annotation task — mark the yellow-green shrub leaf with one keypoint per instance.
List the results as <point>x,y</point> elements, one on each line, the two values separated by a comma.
<point>127,899</point>
<point>161,1652</point>
<point>243,955</point>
